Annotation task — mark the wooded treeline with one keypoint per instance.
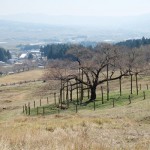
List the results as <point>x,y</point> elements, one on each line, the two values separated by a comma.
<point>134,43</point>
<point>60,51</point>
<point>57,51</point>
<point>4,54</point>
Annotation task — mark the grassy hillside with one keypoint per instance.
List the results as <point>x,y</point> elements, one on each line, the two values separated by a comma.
<point>122,127</point>
<point>23,76</point>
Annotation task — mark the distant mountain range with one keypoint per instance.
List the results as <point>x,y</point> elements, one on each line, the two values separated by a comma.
<point>107,21</point>
<point>28,28</point>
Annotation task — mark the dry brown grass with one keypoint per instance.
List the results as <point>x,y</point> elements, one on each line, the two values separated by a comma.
<point>23,76</point>
<point>117,128</point>
<point>125,127</point>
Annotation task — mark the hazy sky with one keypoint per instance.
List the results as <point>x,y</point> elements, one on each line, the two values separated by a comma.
<point>76,7</point>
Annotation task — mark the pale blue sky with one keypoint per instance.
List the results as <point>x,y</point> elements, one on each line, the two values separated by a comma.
<point>76,7</point>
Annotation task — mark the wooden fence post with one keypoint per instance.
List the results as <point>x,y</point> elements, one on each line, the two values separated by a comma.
<point>34,104</point>
<point>131,84</point>
<point>28,104</point>
<point>29,110</point>
<point>76,108</point>
<point>88,93</point>
<point>120,83</point>
<point>137,90</point>
<point>113,102</point>
<point>94,104</point>
<point>55,98</point>
<point>82,93</point>
<point>67,96</point>
<point>107,83</point>
<point>102,95</point>
<point>40,103</point>
<point>60,97</point>
<point>63,94</point>
<point>26,108</point>
<point>71,93</point>
<point>129,99</point>
<point>143,94</point>
<point>77,94</point>
<point>140,87</point>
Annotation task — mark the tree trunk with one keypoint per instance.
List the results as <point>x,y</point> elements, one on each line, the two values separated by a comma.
<point>93,93</point>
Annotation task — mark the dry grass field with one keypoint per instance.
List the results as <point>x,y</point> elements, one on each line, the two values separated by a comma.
<point>23,76</point>
<point>125,127</point>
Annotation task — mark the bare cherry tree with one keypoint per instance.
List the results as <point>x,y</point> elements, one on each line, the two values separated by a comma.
<point>100,65</point>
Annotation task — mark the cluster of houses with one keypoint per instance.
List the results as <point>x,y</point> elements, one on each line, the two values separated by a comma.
<point>36,56</point>
<point>23,58</point>
<point>19,58</point>
<point>35,53</point>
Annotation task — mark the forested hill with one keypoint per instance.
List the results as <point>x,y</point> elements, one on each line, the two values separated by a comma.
<point>55,51</point>
<point>134,42</point>
<point>4,54</point>
<point>58,51</point>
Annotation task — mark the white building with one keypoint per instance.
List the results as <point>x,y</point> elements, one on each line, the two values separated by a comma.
<point>23,56</point>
